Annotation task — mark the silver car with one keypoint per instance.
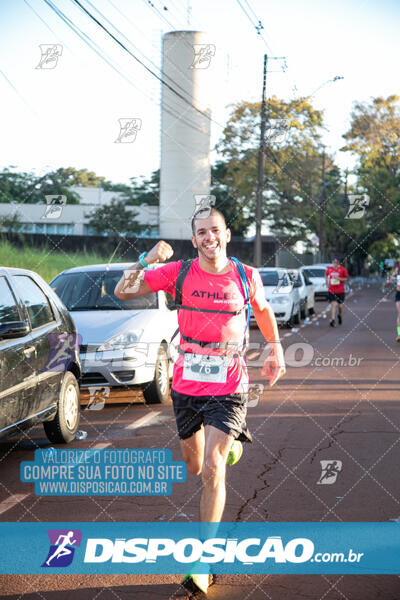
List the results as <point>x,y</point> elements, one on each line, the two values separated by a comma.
<point>306,291</point>
<point>123,343</point>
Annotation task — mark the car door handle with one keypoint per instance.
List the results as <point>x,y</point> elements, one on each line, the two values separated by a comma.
<point>29,350</point>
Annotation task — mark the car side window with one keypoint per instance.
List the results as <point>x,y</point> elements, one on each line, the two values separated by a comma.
<point>8,307</point>
<point>36,302</point>
<point>308,282</point>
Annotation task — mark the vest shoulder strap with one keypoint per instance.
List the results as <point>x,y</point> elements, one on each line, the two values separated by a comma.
<point>183,271</point>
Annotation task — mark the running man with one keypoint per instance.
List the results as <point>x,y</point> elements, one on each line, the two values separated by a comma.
<point>335,276</point>
<point>210,374</point>
<point>395,277</point>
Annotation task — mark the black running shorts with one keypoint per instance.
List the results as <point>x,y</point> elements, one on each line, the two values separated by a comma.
<point>339,297</point>
<point>227,413</point>
<point>397,296</point>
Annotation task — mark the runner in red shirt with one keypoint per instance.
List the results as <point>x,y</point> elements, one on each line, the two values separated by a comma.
<point>210,374</point>
<point>335,277</point>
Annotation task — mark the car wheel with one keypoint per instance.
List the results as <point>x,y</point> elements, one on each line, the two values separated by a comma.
<point>157,391</point>
<point>62,429</point>
<point>311,311</point>
<point>290,322</point>
<point>303,311</point>
<point>296,317</point>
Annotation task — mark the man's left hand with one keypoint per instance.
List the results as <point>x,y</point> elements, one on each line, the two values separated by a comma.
<point>274,366</point>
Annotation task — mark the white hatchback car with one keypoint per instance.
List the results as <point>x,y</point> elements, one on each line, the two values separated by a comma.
<point>281,294</point>
<point>316,274</point>
<point>306,290</point>
<point>123,343</point>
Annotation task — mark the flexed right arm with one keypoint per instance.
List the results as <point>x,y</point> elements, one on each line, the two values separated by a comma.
<point>132,284</point>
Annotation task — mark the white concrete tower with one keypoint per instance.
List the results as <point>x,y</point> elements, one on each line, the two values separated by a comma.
<point>185,132</point>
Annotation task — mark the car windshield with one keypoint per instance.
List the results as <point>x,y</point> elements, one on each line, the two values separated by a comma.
<point>272,278</point>
<point>315,272</point>
<point>94,290</point>
<point>269,277</point>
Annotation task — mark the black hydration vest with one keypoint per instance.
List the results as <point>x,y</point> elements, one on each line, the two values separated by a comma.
<point>183,271</point>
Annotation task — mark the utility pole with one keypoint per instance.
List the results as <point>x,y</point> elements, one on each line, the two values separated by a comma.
<point>322,206</point>
<point>260,177</point>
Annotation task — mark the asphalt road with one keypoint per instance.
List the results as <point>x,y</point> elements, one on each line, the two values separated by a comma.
<point>343,405</point>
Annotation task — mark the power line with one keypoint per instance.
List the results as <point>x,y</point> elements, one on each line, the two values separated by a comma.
<point>179,95</point>
<point>258,26</point>
<point>20,96</point>
<point>127,39</point>
<point>93,46</point>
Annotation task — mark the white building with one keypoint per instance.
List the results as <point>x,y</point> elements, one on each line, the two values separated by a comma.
<point>72,219</point>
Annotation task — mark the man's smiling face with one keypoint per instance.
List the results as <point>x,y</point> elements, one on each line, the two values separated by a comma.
<point>211,237</point>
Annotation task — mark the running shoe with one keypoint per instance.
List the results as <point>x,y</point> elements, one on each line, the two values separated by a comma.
<point>198,582</point>
<point>339,318</point>
<point>235,453</point>
<point>332,323</point>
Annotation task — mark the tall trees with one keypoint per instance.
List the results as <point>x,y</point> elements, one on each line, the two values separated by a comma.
<point>374,137</point>
<point>293,197</point>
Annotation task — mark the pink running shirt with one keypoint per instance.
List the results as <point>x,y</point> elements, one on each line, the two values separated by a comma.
<point>210,291</point>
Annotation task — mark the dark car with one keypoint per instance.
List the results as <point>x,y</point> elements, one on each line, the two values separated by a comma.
<point>39,358</point>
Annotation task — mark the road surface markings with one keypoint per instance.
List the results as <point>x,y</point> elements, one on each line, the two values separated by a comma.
<point>11,501</point>
<point>101,445</point>
<point>145,421</point>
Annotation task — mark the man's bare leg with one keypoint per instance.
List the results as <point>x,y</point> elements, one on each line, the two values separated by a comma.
<point>193,452</point>
<point>333,310</point>
<point>217,446</point>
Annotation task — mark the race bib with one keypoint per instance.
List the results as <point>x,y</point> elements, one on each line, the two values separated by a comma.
<point>201,367</point>
<point>398,281</point>
<point>334,279</point>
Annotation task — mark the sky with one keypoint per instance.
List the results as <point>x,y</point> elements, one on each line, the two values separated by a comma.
<point>68,115</point>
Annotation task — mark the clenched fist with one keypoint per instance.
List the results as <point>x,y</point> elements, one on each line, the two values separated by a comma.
<point>159,253</point>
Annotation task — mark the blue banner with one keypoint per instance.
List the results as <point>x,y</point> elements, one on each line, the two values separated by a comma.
<point>103,472</point>
<point>150,548</point>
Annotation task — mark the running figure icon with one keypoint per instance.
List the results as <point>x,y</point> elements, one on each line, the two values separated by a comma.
<point>62,549</point>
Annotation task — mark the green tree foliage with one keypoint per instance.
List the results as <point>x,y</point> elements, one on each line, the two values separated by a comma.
<point>81,177</point>
<point>374,137</point>
<point>31,189</point>
<point>144,191</point>
<point>387,247</point>
<point>10,223</point>
<point>115,220</point>
<point>292,171</point>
